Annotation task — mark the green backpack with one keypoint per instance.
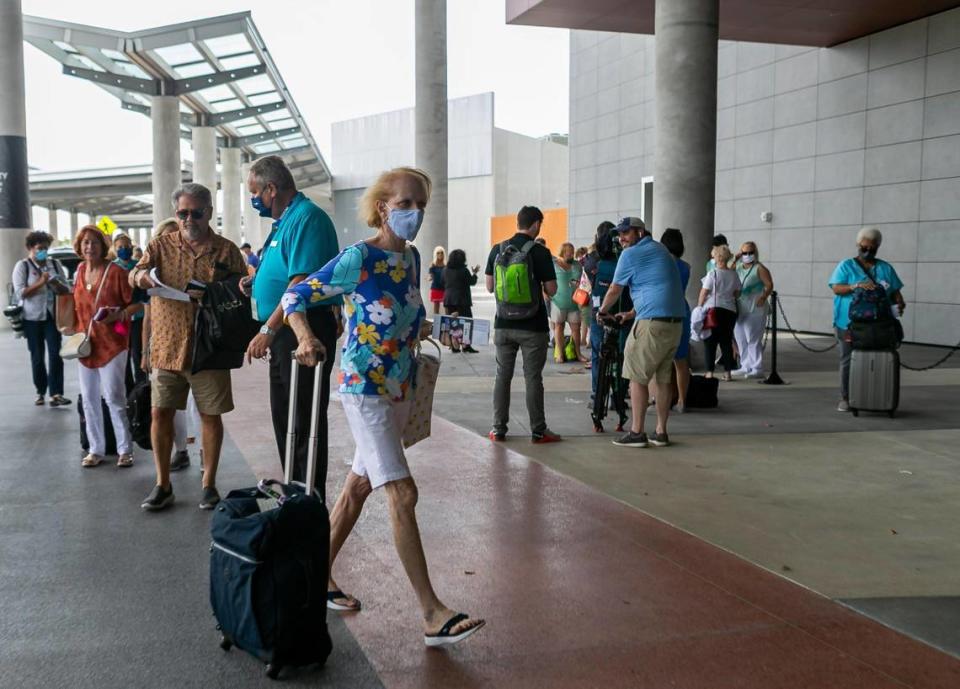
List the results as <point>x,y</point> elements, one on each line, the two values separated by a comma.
<point>515,287</point>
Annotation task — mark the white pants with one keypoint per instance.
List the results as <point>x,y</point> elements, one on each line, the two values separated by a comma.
<point>107,382</point>
<point>377,425</point>
<point>180,430</point>
<point>749,335</point>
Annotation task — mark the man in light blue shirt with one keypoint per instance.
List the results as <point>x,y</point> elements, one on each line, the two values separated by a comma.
<point>650,272</point>
<point>301,241</point>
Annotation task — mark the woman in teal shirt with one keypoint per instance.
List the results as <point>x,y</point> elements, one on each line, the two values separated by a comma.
<point>562,307</point>
<point>865,271</point>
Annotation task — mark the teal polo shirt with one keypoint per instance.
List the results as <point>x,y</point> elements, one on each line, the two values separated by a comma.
<point>302,241</point>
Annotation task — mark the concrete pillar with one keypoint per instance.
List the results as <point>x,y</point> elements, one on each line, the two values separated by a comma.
<point>205,163</point>
<point>52,222</point>
<point>230,181</point>
<point>16,214</point>
<point>74,222</point>
<point>165,115</point>
<point>686,126</point>
<point>431,120</point>
<point>251,219</point>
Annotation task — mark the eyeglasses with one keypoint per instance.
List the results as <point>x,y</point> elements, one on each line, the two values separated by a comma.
<point>187,213</point>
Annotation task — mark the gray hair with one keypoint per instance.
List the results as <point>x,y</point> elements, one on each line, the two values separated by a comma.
<point>871,234</point>
<point>272,170</point>
<point>197,191</point>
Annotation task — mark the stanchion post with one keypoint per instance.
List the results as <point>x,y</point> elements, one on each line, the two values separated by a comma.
<point>774,377</point>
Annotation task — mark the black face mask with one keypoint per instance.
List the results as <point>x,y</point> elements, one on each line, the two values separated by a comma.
<point>868,254</point>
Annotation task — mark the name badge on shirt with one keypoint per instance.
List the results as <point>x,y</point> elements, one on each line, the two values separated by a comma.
<point>273,243</point>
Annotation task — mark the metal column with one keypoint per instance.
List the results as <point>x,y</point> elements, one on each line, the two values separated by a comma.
<point>685,161</point>
<point>15,211</point>
<point>165,114</point>
<point>230,181</point>
<point>431,119</point>
<point>205,163</point>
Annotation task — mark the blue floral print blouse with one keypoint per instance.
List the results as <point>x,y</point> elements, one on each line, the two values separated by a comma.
<point>384,310</point>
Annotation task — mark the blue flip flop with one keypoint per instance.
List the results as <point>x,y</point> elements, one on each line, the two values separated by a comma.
<point>331,605</point>
<point>445,638</point>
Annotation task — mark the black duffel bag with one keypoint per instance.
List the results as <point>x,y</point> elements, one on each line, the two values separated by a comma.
<point>882,334</point>
<point>223,328</point>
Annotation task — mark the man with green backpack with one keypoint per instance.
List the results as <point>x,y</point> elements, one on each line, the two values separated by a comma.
<point>521,276</point>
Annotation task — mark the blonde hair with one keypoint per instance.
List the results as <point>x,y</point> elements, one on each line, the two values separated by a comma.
<point>383,188</point>
<point>438,250</point>
<point>564,246</point>
<point>721,255</point>
<point>756,250</point>
<point>166,227</point>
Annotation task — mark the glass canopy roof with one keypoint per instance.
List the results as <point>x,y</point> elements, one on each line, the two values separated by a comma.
<point>219,69</point>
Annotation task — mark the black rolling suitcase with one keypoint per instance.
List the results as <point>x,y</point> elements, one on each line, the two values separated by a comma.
<point>269,560</point>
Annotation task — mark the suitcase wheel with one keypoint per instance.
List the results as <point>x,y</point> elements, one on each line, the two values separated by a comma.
<point>892,413</point>
<point>273,670</point>
<point>856,412</point>
<point>225,643</point>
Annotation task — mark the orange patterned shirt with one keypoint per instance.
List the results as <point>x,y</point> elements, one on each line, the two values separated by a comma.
<point>171,321</point>
<point>105,341</point>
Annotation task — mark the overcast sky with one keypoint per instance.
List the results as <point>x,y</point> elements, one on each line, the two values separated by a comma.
<point>340,59</point>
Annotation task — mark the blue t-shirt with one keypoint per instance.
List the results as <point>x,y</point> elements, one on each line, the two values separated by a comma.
<point>850,272</point>
<point>651,274</point>
<point>253,260</point>
<point>302,240</point>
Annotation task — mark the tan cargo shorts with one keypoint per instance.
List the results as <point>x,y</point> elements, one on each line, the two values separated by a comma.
<point>649,351</point>
<point>212,390</point>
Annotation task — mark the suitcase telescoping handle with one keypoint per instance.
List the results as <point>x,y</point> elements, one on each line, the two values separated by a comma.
<point>292,425</point>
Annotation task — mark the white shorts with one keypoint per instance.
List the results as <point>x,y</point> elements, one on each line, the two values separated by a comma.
<point>377,425</point>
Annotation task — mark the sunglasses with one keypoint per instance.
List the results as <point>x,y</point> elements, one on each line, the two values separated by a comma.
<point>195,214</point>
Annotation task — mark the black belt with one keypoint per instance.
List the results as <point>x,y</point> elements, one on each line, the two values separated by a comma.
<point>662,319</point>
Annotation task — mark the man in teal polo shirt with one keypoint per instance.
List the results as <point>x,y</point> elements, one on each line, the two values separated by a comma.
<point>302,240</point>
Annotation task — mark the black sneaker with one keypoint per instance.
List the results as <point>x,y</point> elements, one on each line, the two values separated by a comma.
<point>210,498</point>
<point>181,460</point>
<point>59,401</point>
<point>632,439</point>
<point>159,498</point>
<point>660,440</point>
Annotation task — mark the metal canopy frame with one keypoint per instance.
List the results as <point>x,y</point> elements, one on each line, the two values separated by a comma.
<point>218,68</point>
<point>121,191</point>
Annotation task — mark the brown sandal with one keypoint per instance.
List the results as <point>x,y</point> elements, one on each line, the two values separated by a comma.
<point>91,461</point>
<point>125,460</point>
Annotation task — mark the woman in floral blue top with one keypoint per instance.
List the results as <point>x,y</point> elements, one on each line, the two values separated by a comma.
<point>380,282</point>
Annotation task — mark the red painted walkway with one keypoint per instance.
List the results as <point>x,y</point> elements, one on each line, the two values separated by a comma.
<point>578,589</point>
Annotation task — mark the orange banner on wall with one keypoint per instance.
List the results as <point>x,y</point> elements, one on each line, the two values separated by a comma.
<point>554,229</point>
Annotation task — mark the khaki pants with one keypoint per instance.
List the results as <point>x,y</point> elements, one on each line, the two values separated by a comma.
<point>649,351</point>
<point>212,390</point>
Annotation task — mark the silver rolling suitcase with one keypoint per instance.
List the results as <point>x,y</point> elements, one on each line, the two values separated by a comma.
<point>874,381</point>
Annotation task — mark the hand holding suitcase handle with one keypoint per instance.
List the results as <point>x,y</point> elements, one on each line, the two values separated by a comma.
<point>310,351</point>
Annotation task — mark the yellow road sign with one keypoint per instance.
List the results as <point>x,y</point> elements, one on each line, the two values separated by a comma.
<point>106,225</point>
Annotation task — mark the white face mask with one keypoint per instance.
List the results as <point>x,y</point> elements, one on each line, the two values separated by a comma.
<point>748,258</point>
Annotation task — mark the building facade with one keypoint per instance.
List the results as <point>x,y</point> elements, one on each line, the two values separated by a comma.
<point>492,171</point>
<point>825,140</point>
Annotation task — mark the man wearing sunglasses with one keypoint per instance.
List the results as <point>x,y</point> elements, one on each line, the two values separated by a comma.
<point>195,254</point>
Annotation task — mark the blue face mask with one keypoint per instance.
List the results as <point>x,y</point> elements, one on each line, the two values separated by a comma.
<point>125,253</point>
<point>42,255</point>
<point>258,205</point>
<point>405,223</point>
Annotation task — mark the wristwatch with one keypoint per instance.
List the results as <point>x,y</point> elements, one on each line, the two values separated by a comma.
<point>267,330</point>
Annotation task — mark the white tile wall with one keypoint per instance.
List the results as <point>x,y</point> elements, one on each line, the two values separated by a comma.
<point>867,132</point>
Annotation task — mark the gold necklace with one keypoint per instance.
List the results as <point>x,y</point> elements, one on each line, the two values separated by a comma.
<point>88,279</point>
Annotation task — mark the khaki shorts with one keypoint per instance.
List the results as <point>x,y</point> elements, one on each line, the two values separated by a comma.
<point>212,390</point>
<point>571,316</point>
<point>649,351</point>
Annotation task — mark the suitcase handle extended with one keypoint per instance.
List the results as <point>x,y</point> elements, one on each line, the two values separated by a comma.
<point>292,425</point>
